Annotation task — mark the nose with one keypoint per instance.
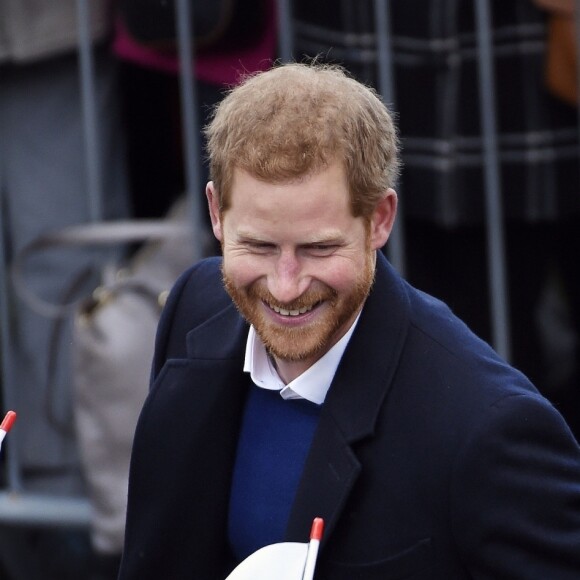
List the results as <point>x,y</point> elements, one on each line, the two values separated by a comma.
<point>287,282</point>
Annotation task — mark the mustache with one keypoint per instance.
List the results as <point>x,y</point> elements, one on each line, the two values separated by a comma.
<point>309,299</point>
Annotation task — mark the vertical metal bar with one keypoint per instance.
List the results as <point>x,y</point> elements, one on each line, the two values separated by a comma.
<point>285,31</point>
<point>494,213</point>
<point>87,78</point>
<point>190,123</point>
<point>384,50</point>
<point>386,72</point>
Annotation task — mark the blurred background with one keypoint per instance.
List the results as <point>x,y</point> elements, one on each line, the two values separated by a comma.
<point>101,105</point>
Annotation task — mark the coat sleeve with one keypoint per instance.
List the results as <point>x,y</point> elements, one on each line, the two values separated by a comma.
<point>516,494</point>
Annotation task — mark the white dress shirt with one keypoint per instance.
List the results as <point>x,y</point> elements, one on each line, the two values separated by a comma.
<point>312,384</point>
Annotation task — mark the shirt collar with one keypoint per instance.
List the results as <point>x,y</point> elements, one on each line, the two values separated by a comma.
<point>312,384</point>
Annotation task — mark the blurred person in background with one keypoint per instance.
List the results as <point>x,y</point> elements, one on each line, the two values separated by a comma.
<point>149,76</point>
<point>43,186</point>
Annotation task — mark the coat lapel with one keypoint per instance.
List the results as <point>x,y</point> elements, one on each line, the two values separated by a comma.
<point>220,338</point>
<point>352,405</point>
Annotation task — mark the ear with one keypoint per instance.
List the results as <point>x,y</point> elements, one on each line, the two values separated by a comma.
<point>383,219</point>
<point>214,212</point>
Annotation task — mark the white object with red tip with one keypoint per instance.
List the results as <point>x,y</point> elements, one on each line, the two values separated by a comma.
<point>283,561</point>
<point>6,425</point>
<point>315,537</point>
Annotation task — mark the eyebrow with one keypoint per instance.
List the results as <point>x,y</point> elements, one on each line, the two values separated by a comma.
<point>329,238</point>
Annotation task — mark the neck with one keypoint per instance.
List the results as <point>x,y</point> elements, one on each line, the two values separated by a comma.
<point>290,370</point>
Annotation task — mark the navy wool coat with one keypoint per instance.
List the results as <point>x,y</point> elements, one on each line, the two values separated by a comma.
<point>433,458</point>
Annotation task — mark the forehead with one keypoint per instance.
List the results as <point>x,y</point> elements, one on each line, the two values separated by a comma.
<point>327,185</point>
<point>306,207</point>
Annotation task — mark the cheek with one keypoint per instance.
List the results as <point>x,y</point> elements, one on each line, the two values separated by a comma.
<point>341,276</point>
<point>242,270</point>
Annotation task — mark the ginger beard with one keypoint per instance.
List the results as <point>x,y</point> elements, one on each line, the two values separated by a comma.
<point>315,338</point>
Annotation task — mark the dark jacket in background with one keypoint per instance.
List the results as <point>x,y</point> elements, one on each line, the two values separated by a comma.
<point>434,47</point>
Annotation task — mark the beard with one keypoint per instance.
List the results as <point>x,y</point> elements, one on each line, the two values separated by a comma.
<point>314,338</point>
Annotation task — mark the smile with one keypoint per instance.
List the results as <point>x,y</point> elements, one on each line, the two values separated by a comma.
<point>284,312</point>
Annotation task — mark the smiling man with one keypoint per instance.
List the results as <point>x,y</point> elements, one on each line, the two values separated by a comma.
<point>301,376</point>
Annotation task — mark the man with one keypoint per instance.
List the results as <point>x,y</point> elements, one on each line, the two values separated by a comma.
<point>319,383</point>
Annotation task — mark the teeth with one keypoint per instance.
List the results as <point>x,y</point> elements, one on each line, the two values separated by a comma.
<point>284,312</point>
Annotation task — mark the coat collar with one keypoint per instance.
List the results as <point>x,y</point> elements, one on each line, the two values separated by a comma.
<point>221,337</point>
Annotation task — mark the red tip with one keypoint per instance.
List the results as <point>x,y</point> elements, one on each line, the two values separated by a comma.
<point>317,529</point>
<point>8,421</point>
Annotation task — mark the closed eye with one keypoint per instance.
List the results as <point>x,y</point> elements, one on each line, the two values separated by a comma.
<point>260,247</point>
<point>321,250</point>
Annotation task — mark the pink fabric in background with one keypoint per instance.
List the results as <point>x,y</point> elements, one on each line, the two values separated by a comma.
<point>219,69</point>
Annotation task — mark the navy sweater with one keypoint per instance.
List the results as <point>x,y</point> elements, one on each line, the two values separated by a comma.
<point>274,441</point>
